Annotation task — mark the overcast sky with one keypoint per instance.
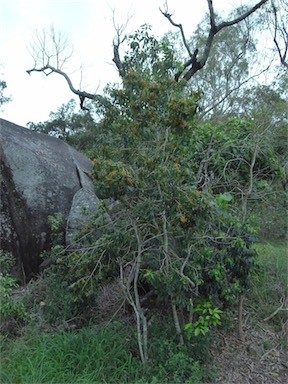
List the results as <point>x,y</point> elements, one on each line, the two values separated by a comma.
<point>89,27</point>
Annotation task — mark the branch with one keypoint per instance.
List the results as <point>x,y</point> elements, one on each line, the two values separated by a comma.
<point>242,17</point>
<point>284,35</point>
<point>250,186</point>
<point>118,41</point>
<point>168,16</point>
<point>116,55</point>
<point>194,62</point>
<point>50,52</point>
<point>48,69</point>
<point>134,300</point>
<point>182,274</point>
<point>283,307</point>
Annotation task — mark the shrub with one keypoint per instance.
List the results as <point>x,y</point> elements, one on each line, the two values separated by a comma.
<point>12,310</point>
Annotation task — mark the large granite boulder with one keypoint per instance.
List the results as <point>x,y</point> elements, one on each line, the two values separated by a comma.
<point>40,176</point>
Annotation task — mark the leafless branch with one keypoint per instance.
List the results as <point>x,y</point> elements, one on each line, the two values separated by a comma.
<point>118,40</point>
<point>169,17</point>
<point>280,32</point>
<point>50,51</point>
<point>283,307</point>
<point>183,266</point>
<point>50,48</point>
<point>194,64</point>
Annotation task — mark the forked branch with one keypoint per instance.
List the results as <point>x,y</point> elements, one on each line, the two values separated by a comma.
<point>118,40</point>
<point>195,63</point>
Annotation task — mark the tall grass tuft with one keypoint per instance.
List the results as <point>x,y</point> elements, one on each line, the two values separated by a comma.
<point>91,355</point>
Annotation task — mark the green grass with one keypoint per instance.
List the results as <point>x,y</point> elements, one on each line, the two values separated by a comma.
<point>271,285</point>
<point>274,256</point>
<point>94,355</point>
<point>91,355</point>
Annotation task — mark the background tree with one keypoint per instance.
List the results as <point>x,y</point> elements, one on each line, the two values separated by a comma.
<point>229,70</point>
<point>75,127</point>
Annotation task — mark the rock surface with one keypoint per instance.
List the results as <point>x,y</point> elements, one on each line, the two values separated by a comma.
<point>40,176</point>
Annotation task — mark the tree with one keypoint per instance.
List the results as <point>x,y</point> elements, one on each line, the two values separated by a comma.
<point>267,106</point>
<point>182,233</point>
<point>69,125</point>
<point>60,124</point>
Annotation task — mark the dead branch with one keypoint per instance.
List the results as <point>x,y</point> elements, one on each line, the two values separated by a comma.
<point>48,69</point>
<point>118,40</point>
<point>280,29</point>
<point>49,54</point>
<point>283,307</point>
<point>169,17</point>
<point>194,63</point>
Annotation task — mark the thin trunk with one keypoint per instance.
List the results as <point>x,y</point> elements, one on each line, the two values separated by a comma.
<point>142,328</point>
<point>240,318</point>
<point>177,323</point>
<point>166,253</point>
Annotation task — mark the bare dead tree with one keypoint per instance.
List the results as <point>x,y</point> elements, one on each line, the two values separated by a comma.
<point>50,51</point>
<point>195,63</point>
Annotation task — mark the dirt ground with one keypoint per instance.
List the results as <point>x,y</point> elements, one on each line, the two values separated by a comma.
<point>260,358</point>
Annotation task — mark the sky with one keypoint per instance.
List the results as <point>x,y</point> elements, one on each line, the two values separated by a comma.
<point>88,26</point>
